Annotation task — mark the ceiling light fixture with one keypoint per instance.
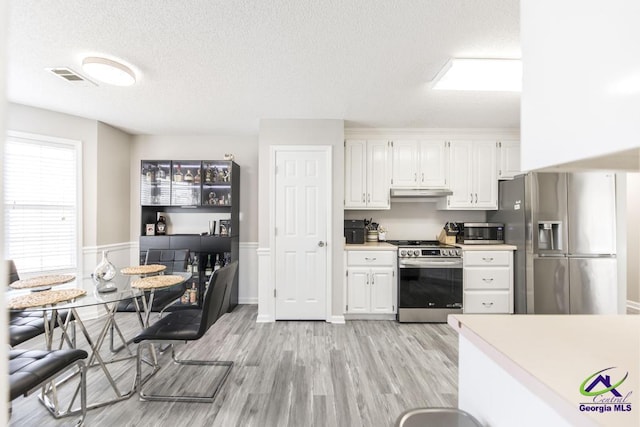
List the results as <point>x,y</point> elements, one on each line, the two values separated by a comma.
<point>108,71</point>
<point>480,74</point>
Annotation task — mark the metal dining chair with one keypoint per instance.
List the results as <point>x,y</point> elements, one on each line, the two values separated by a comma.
<point>189,325</point>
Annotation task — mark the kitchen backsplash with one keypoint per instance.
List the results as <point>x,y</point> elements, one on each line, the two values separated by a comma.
<point>412,220</point>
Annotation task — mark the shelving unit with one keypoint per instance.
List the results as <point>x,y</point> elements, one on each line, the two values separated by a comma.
<point>192,186</point>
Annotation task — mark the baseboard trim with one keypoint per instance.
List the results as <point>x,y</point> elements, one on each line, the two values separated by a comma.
<point>372,316</point>
<point>633,305</point>
<point>248,300</point>
<point>338,320</point>
<point>265,318</point>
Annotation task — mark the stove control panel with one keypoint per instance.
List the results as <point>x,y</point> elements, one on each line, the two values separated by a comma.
<point>429,252</point>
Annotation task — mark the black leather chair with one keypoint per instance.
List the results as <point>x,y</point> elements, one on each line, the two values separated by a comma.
<point>189,325</point>
<point>175,260</point>
<point>30,369</point>
<point>24,325</point>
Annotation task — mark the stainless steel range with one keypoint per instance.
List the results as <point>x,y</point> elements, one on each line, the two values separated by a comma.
<point>429,280</point>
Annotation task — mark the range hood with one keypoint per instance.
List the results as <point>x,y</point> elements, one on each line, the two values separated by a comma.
<point>412,193</point>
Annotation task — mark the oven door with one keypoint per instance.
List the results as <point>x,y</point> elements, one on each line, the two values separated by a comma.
<point>430,283</point>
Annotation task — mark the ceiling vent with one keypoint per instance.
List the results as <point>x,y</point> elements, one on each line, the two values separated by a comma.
<point>70,76</point>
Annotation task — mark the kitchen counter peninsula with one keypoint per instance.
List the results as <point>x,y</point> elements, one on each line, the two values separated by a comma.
<point>529,370</point>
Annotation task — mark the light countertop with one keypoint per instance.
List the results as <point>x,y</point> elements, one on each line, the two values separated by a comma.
<point>371,246</point>
<point>486,247</point>
<point>552,355</point>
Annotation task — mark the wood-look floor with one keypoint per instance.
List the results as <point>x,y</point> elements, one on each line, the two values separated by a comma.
<point>364,373</point>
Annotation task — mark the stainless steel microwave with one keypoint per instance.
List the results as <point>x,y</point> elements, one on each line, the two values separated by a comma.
<point>482,233</point>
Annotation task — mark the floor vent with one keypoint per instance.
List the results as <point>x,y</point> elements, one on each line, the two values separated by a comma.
<point>70,76</point>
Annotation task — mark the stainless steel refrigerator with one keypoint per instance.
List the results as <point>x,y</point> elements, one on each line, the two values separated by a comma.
<point>564,227</point>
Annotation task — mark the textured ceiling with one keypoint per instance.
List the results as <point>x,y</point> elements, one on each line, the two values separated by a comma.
<point>220,66</point>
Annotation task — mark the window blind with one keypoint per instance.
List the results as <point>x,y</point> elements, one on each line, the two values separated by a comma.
<point>41,204</point>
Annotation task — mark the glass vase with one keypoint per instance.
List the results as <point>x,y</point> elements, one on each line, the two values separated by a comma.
<point>105,271</point>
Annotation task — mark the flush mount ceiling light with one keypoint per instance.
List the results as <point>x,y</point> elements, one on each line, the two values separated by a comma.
<point>480,74</point>
<point>108,71</point>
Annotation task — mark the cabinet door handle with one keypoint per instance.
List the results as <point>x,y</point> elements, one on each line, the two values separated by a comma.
<point>476,197</point>
<point>363,198</point>
<point>367,279</point>
<point>415,177</point>
<point>471,201</point>
<point>487,280</point>
<point>422,176</point>
<point>373,279</point>
<point>368,197</point>
<point>490,259</point>
<point>370,259</point>
<point>487,304</point>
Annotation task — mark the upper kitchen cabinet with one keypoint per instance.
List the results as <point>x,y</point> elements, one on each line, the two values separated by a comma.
<point>367,174</point>
<point>419,164</point>
<point>472,176</point>
<point>155,183</point>
<point>508,159</point>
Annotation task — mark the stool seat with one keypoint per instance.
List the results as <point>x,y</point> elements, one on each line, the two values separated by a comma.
<point>30,368</point>
<point>436,417</point>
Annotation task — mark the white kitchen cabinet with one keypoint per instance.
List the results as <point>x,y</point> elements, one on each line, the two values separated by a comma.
<point>367,174</point>
<point>472,176</point>
<point>508,159</point>
<point>487,281</point>
<point>371,284</point>
<point>419,164</point>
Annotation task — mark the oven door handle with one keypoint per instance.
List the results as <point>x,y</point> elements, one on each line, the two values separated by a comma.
<point>431,264</point>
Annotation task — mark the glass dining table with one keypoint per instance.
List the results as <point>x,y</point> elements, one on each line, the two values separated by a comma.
<point>119,289</point>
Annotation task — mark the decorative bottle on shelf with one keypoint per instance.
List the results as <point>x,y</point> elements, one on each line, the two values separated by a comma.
<point>208,174</point>
<point>197,179</point>
<point>217,264</point>
<point>214,174</point>
<point>177,177</point>
<point>188,177</point>
<point>207,269</point>
<point>193,294</point>
<point>161,226</point>
<point>161,173</point>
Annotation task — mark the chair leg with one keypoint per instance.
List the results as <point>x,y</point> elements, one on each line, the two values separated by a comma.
<point>182,398</point>
<point>82,370</point>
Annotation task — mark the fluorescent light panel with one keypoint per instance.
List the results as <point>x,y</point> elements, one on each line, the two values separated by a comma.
<point>481,75</point>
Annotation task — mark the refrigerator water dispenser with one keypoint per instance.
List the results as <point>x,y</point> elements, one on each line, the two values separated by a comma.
<point>550,235</point>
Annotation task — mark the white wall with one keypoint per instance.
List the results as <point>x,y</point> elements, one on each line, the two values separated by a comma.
<point>113,185</point>
<point>581,83</point>
<point>4,321</point>
<point>305,132</point>
<point>633,237</point>
<point>415,220</point>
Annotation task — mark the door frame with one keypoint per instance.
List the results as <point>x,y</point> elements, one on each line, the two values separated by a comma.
<point>328,152</point>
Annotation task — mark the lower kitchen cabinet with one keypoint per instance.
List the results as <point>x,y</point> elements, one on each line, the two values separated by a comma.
<point>487,282</point>
<point>371,282</point>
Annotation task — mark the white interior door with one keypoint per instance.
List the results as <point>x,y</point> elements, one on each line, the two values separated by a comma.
<point>301,213</point>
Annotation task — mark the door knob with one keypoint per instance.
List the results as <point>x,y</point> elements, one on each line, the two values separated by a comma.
<point>321,243</point>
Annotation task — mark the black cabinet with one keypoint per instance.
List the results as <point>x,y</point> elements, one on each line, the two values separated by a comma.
<point>193,186</point>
